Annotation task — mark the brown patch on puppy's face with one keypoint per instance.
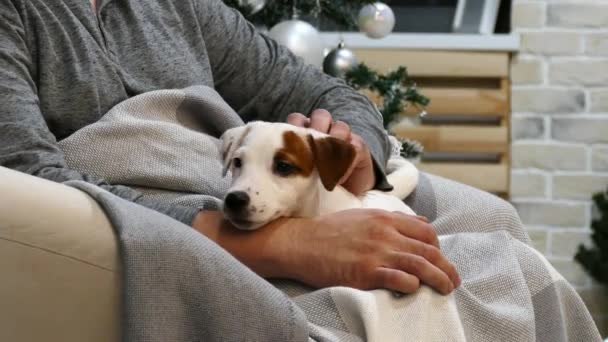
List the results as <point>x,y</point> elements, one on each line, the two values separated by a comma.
<point>295,158</point>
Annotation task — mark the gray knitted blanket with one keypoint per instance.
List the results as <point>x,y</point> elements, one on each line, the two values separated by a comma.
<point>163,143</point>
<point>179,286</point>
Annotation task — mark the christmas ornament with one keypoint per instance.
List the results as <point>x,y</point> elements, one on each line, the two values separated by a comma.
<point>301,38</point>
<point>253,6</point>
<point>376,20</point>
<point>339,61</point>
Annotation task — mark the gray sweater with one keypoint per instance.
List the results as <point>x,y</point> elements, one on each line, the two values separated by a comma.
<point>62,66</point>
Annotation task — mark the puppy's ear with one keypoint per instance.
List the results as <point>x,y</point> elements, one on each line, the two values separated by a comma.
<point>232,139</point>
<point>332,158</point>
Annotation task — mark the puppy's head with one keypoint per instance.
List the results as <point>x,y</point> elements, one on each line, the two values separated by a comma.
<point>276,169</point>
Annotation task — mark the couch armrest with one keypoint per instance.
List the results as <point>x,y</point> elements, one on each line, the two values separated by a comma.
<point>59,263</point>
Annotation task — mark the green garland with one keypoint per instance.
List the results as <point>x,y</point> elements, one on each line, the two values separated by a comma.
<point>397,89</point>
<point>410,149</point>
<point>595,260</point>
<point>341,12</point>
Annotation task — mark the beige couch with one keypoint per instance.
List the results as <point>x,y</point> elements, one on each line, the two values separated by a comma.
<point>59,266</point>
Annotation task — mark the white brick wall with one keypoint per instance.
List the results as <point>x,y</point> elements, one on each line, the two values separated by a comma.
<point>560,129</point>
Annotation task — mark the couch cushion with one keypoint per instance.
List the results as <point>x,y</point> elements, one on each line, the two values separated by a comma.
<point>59,263</point>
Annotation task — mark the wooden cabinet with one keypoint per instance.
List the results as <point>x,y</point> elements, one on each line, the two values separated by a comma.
<point>466,134</point>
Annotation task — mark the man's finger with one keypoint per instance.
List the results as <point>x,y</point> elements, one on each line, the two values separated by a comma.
<point>433,255</point>
<point>423,270</point>
<point>298,119</point>
<point>320,119</point>
<point>414,228</point>
<point>422,218</point>
<point>340,130</point>
<point>361,174</point>
<point>396,280</point>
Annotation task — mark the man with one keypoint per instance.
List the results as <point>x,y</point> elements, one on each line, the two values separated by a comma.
<point>64,63</point>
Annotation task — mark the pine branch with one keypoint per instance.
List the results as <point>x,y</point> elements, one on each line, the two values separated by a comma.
<point>411,149</point>
<point>595,259</point>
<point>397,89</point>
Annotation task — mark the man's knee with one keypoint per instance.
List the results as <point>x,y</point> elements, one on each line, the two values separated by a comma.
<point>459,208</point>
<point>503,208</point>
<point>503,215</point>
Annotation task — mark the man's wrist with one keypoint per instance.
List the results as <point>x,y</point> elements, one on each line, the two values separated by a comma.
<point>380,181</point>
<point>262,250</point>
<point>208,222</point>
<point>272,254</point>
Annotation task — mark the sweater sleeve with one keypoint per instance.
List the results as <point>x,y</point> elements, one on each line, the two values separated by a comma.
<point>263,80</point>
<point>26,143</point>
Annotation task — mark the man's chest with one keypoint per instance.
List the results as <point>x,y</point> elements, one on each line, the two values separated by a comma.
<point>86,62</point>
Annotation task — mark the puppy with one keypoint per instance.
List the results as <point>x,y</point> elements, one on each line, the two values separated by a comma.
<point>280,170</point>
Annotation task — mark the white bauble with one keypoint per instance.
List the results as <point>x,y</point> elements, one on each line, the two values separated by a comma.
<point>376,20</point>
<point>254,5</point>
<point>301,38</point>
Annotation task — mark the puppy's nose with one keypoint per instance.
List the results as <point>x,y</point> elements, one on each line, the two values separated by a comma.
<point>236,200</point>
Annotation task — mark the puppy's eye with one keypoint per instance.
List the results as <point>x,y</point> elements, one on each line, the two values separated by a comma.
<point>237,162</point>
<point>284,168</point>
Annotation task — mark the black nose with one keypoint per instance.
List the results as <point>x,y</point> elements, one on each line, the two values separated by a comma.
<point>236,200</point>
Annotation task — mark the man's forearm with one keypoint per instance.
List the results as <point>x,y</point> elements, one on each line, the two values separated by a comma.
<point>255,249</point>
<point>272,82</point>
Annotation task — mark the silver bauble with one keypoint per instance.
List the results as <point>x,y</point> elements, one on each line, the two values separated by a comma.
<point>254,5</point>
<point>301,38</point>
<point>376,20</point>
<point>339,61</point>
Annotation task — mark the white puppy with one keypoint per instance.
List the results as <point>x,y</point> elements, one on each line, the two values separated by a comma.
<point>280,170</point>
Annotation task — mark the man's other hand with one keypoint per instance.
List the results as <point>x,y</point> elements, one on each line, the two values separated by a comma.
<point>360,176</point>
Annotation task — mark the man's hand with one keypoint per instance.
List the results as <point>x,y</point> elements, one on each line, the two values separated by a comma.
<point>375,249</point>
<point>360,176</point>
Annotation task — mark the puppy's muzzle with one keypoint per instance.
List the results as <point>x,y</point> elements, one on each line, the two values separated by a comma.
<point>236,201</point>
<point>236,209</point>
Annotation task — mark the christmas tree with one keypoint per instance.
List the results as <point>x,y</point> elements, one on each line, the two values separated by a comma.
<point>595,259</point>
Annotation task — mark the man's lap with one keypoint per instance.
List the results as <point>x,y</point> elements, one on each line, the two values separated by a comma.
<point>453,207</point>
